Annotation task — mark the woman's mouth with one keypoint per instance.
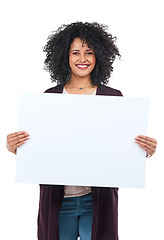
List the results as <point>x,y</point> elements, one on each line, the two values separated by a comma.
<point>82,66</point>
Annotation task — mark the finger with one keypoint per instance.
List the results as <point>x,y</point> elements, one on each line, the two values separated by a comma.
<point>146,147</point>
<point>13,144</point>
<point>17,134</point>
<point>17,139</point>
<point>13,148</point>
<point>148,153</point>
<point>145,144</point>
<point>19,144</point>
<point>146,138</point>
<point>149,141</point>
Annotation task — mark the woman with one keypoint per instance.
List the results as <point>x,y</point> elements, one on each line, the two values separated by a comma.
<point>79,58</point>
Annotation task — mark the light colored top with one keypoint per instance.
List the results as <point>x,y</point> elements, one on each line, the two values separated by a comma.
<point>76,191</point>
<point>65,92</point>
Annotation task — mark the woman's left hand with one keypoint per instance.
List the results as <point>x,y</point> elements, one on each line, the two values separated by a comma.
<point>147,143</point>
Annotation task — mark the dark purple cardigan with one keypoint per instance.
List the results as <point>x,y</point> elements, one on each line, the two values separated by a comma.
<point>105,200</point>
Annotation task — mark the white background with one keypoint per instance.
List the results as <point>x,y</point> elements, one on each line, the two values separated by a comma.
<point>24,27</point>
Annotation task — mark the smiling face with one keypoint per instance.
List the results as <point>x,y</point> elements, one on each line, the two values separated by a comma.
<point>81,58</point>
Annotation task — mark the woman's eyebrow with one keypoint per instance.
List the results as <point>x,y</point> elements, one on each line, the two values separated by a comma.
<point>88,50</point>
<point>75,50</point>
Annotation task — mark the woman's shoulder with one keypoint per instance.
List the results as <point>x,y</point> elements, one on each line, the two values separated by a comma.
<point>106,90</point>
<point>56,89</point>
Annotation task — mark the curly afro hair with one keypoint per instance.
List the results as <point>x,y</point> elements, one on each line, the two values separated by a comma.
<point>94,35</point>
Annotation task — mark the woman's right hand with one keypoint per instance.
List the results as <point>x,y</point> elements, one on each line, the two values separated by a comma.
<point>15,140</point>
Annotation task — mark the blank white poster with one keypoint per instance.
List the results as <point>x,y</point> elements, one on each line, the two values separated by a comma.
<point>82,140</point>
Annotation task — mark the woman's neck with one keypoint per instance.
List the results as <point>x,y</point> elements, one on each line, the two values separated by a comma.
<point>80,85</point>
<point>79,82</point>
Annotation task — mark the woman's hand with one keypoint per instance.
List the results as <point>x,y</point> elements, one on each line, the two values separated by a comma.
<point>147,143</point>
<point>15,140</point>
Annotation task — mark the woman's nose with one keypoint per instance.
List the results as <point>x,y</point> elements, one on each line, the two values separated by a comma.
<point>82,57</point>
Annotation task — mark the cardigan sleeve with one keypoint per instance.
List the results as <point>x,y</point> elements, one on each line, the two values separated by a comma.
<point>119,93</point>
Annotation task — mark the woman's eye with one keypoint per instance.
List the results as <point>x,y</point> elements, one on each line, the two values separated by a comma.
<point>75,53</point>
<point>89,53</point>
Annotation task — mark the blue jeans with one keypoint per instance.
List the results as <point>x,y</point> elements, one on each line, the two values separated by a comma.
<point>75,218</point>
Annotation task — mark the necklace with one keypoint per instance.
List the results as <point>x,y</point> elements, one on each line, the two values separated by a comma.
<point>80,88</point>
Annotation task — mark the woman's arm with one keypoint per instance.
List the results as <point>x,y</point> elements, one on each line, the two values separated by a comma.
<point>15,140</point>
<point>147,143</point>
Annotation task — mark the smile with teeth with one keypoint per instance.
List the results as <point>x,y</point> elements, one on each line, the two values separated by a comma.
<point>82,66</point>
